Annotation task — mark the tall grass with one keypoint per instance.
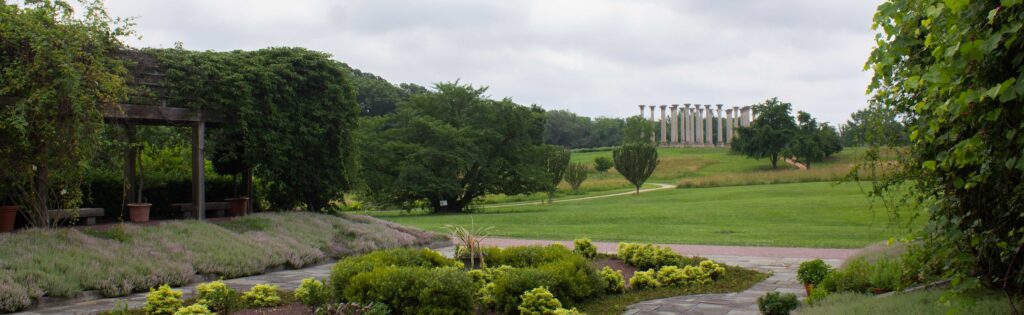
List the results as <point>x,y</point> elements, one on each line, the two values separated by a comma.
<point>820,173</point>
<point>920,302</point>
<point>129,258</point>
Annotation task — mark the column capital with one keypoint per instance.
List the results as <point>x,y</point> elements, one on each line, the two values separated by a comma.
<point>663,106</point>
<point>719,106</point>
<point>728,111</point>
<point>708,106</point>
<point>687,105</point>
<point>674,106</point>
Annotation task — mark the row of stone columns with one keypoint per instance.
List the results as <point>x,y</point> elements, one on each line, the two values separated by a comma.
<point>684,126</point>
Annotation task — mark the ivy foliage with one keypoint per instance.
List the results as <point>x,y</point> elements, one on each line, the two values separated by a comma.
<point>57,71</point>
<point>294,111</point>
<point>955,68</point>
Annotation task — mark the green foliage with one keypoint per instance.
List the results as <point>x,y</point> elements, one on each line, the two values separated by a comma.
<point>452,145</point>
<point>875,125</point>
<point>775,303</point>
<point>59,67</point>
<point>817,295</point>
<point>614,279</point>
<point>262,295</point>
<point>854,277</point>
<point>644,280</point>
<point>806,144</point>
<point>584,247</point>
<point>194,309</point>
<point>714,270</point>
<point>636,162</point>
<point>575,174</point>
<point>571,279</point>
<point>566,129</point>
<point>556,163</point>
<point>343,271</point>
<point>286,100</point>
<point>312,292</point>
<point>674,276</point>
<point>603,163</point>
<point>646,256</point>
<point>638,130</point>
<point>414,290</point>
<point>954,69</point>
<point>572,311</point>
<point>769,133</point>
<point>353,309</point>
<point>162,301</point>
<point>812,271</point>
<point>538,301</point>
<point>526,256</point>
<point>216,295</point>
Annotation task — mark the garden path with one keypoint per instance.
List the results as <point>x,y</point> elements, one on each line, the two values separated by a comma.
<point>782,262</point>
<point>516,204</point>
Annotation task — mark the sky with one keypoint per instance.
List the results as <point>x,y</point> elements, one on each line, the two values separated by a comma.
<point>593,57</point>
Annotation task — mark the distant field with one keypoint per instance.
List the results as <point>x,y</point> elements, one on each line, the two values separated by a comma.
<point>818,214</point>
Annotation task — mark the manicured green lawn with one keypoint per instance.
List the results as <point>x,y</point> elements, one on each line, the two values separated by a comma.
<point>803,215</point>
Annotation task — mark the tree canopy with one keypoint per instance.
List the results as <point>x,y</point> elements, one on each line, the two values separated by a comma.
<point>769,133</point>
<point>956,70</point>
<point>569,130</point>
<point>636,162</point>
<point>638,130</point>
<point>447,147</point>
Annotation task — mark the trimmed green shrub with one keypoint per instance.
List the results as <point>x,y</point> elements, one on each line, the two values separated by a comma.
<point>643,280</point>
<point>672,276</point>
<point>414,290</point>
<point>571,311</point>
<point>194,309</point>
<point>215,295</point>
<point>312,292</point>
<point>262,295</point>
<point>484,281</point>
<point>343,271</point>
<point>696,275</point>
<point>648,256</point>
<point>613,279</point>
<point>712,269</point>
<point>817,294</point>
<point>526,256</point>
<point>538,301</point>
<point>885,274</point>
<point>575,279</point>
<point>774,303</point>
<point>854,277</point>
<point>509,287</point>
<point>812,271</point>
<point>584,247</point>
<point>162,301</point>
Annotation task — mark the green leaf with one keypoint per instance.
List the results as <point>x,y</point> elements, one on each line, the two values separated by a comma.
<point>1009,3</point>
<point>930,165</point>
<point>956,5</point>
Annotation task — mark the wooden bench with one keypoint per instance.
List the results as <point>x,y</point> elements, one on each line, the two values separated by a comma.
<point>90,214</point>
<point>189,209</point>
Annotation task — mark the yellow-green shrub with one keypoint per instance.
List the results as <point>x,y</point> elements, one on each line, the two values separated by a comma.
<point>162,301</point>
<point>646,256</point>
<point>312,292</point>
<point>262,295</point>
<point>712,269</point>
<point>571,311</point>
<point>696,276</point>
<point>215,295</point>
<point>584,247</point>
<point>672,276</point>
<point>194,309</point>
<point>538,301</point>
<point>615,282</point>
<point>643,280</point>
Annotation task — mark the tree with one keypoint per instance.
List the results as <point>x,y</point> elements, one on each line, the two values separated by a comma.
<point>636,162</point>
<point>447,147</point>
<point>566,129</point>
<point>875,125</point>
<point>769,133</point>
<point>603,163</point>
<point>954,68</point>
<point>557,161</point>
<point>60,69</point>
<point>806,144</point>
<point>637,130</point>
<point>831,139</point>
<point>575,174</point>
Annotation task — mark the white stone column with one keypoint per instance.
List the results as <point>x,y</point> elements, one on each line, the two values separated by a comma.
<point>674,121</point>
<point>686,125</point>
<point>719,121</point>
<point>652,112</point>
<point>708,127</point>
<point>745,116</point>
<point>728,127</point>
<point>664,133</point>
<point>693,123</point>
<point>641,111</point>
<point>700,126</point>
<point>735,117</point>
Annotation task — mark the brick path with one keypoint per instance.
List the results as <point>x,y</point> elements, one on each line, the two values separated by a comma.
<point>782,262</point>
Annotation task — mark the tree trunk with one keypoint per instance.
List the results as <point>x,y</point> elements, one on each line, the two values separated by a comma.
<point>775,161</point>
<point>452,207</point>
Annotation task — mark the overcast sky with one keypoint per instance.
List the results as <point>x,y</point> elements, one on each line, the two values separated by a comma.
<point>593,57</point>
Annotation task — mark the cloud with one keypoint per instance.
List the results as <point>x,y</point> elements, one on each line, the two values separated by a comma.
<point>594,57</point>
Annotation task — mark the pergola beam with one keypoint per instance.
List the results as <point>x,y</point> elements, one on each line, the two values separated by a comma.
<point>156,115</point>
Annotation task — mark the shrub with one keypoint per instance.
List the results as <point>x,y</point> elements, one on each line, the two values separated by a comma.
<point>538,301</point>
<point>194,309</point>
<point>312,292</point>
<point>811,272</point>
<point>644,280</point>
<point>509,287</point>
<point>712,269</point>
<point>262,295</point>
<point>215,295</point>
<point>575,279</point>
<point>696,275</point>
<point>817,294</point>
<point>647,256</point>
<point>584,247</point>
<point>343,271</point>
<point>854,277</point>
<point>563,311</point>
<point>414,290</point>
<point>885,274</point>
<point>774,303</point>
<point>484,281</point>
<point>603,164</point>
<point>672,276</point>
<point>615,283</point>
<point>526,256</point>
<point>162,301</point>
<point>13,297</point>
<point>353,309</point>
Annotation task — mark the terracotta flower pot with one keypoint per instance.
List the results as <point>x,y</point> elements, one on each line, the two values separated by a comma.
<point>7,216</point>
<point>808,287</point>
<point>139,212</point>
<point>237,206</point>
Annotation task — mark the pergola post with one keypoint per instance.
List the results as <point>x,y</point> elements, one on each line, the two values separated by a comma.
<point>199,169</point>
<point>249,190</point>
<point>130,157</point>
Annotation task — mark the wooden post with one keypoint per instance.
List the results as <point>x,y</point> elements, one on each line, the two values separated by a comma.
<point>130,157</point>
<point>198,170</point>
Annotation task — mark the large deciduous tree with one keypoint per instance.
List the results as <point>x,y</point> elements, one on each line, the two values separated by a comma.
<point>769,133</point>
<point>450,146</point>
<point>806,144</point>
<point>956,69</point>
<point>57,70</point>
<point>636,162</point>
<point>637,130</point>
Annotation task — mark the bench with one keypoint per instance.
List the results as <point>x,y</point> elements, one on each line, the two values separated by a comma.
<point>90,214</point>
<point>189,209</point>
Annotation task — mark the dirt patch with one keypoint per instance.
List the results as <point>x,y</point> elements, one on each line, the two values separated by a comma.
<point>291,309</point>
<point>615,264</point>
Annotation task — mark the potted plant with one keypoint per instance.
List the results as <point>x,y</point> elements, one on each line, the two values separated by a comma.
<point>138,212</point>
<point>811,272</point>
<point>8,211</point>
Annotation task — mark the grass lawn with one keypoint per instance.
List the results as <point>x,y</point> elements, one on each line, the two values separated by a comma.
<point>803,215</point>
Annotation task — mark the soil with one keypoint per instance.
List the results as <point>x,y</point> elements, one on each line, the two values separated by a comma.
<point>291,309</point>
<point>615,264</point>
